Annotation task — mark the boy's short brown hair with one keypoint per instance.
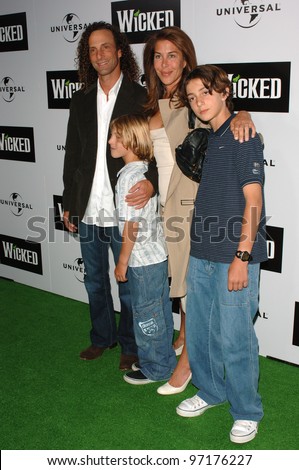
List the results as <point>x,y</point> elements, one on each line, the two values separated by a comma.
<point>213,78</point>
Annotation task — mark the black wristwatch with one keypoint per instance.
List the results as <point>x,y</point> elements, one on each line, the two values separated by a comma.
<point>244,255</point>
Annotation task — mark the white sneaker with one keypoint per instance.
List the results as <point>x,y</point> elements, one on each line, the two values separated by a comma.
<point>194,406</point>
<point>243,431</point>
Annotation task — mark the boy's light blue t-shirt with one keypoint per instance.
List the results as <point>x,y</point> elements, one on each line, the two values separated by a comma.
<point>150,246</point>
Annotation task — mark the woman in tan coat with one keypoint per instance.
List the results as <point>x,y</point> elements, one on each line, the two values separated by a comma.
<point>169,56</point>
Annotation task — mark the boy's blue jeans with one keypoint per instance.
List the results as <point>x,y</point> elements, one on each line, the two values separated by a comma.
<point>152,320</point>
<point>221,341</point>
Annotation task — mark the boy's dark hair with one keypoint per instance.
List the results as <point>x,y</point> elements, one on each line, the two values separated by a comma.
<point>128,63</point>
<point>213,78</point>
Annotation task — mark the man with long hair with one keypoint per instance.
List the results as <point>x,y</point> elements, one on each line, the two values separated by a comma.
<point>108,72</point>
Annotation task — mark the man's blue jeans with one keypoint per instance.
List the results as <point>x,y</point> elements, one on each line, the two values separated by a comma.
<point>221,341</point>
<point>95,243</point>
<point>153,321</point>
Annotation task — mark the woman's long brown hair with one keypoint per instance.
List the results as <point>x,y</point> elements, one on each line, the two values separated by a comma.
<point>154,86</point>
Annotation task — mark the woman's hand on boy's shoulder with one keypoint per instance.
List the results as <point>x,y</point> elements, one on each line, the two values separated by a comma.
<point>242,126</point>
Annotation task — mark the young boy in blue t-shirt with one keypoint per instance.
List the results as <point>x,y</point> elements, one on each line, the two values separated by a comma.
<point>228,244</point>
<point>143,256</point>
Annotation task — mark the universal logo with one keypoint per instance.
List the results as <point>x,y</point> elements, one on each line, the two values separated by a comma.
<point>17,143</point>
<point>246,13</point>
<point>13,32</point>
<point>70,27</point>
<point>9,89</point>
<point>60,147</point>
<point>269,163</point>
<point>21,254</point>
<point>16,204</point>
<point>275,249</point>
<point>77,268</point>
<point>138,19</point>
<point>60,87</point>
<point>261,86</point>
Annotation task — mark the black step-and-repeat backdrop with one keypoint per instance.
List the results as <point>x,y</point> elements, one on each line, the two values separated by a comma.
<point>255,41</point>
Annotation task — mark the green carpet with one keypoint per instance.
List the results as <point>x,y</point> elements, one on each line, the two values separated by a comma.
<point>50,399</point>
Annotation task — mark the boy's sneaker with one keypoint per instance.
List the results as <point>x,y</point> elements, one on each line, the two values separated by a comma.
<point>135,366</point>
<point>243,431</point>
<point>137,378</point>
<point>194,406</point>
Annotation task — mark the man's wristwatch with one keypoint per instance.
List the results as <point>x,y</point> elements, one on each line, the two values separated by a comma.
<point>244,255</point>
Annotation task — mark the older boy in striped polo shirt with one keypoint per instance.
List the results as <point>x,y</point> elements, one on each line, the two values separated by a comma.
<point>227,245</point>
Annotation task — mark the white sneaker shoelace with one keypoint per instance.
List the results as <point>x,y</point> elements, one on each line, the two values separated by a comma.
<point>242,427</point>
<point>195,402</point>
